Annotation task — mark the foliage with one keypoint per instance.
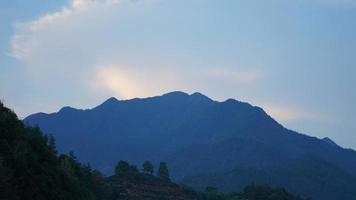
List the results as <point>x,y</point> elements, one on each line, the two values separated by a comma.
<point>147,167</point>
<point>251,192</point>
<point>163,171</point>
<point>29,167</point>
<point>124,170</point>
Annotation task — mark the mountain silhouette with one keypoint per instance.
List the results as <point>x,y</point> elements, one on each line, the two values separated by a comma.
<point>225,144</point>
<point>329,141</point>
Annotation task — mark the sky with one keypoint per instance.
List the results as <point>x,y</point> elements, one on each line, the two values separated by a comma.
<point>294,58</point>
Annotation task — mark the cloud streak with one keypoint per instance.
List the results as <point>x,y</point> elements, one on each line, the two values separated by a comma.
<point>95,41</point>
<point>130,82</point>
<point>26,37</point>
<point>289,114</point>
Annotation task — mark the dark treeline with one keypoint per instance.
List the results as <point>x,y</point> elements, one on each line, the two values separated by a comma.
<point>251,192</point>
<point>31,169</point>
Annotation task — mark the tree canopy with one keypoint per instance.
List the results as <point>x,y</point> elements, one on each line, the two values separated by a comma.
<point>124,168</point>
<point>147,167</point>
<point>163,171</point>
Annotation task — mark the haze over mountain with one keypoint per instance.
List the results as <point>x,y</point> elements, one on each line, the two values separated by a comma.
<point>226,144</point>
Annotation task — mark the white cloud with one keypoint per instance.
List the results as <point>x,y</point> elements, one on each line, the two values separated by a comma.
<point>130,82</point>
<point>93,46</point>
<point>77,49</point>
<point>134,81</point>
<point>111,47</point>
<point>27,37</point>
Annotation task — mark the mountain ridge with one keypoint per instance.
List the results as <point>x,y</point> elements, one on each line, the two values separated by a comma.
<point>194,131</point>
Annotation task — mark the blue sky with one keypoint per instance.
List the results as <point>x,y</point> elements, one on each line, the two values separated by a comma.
<point>294,58</point>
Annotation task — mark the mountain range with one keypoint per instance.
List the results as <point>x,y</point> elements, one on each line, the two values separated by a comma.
<point>225,144</point>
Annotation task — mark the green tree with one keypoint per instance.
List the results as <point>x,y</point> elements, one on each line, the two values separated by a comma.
<point>7,187</point>
<point>52,143</point>
<point>163,171</point>
<point>124,168</point>
<point>29,167</point>
<point>147,167</point>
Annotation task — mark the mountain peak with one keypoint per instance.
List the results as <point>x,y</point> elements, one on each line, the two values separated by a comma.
<point>109,102</point>
<point>112,99</point>
<point>176,94</point>
<point>200,96</point>
<point>329,141</point>
<point>66,109</point>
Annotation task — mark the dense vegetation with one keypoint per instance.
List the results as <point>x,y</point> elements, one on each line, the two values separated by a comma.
<point>251,192</point>
<point>31,169</point>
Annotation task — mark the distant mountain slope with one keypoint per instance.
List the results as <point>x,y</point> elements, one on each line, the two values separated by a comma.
<point>193,133</point>
<point>31,170</point>
<point>303,176</point>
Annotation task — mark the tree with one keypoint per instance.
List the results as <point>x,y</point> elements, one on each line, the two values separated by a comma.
<point>147,167</point>
<point>7,188</point>
<point>29,167</point>
<point>52,143</point>
<point>124,168</point>
<point>163,171</point>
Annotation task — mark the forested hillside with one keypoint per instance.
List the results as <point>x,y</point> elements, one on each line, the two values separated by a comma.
<point>30,169</point>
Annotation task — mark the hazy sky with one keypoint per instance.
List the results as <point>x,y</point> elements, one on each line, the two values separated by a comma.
<point>294,58</point>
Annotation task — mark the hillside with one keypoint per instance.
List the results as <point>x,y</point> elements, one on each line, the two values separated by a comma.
<point>30,169</point>
<point>204,136</point>
<point>149,187</point>
<point>303,177</point>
